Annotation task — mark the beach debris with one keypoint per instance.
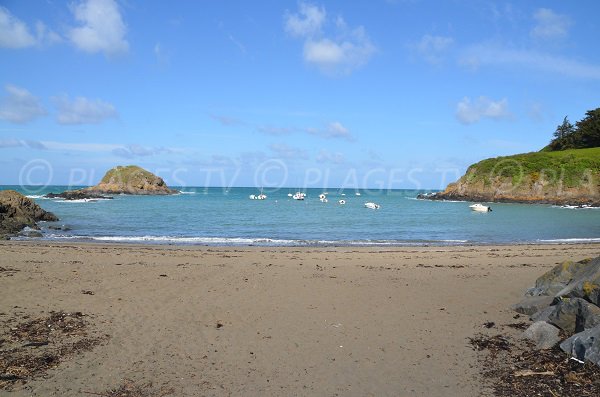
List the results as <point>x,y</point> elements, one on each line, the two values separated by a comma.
<point>489,324</point>
<point>515,369</point>
<point>30,347</point>
<point>492,343</point>
<point>219,325</point>
<point>87,292</point>
<point>8,271</point>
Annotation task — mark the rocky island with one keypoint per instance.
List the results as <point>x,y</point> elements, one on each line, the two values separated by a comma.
<point>18,212</point>
<point>566,172</point>
<point>129,179</point>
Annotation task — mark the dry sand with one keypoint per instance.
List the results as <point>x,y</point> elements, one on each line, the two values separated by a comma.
<point>274,321</point>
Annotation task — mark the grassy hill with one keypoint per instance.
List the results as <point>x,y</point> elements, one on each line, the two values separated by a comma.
<point>559,177</point>
<point>567,166</point>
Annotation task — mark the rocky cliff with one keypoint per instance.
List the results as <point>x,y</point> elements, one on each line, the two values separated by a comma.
<point>569,177</point>
<point>18,211</point>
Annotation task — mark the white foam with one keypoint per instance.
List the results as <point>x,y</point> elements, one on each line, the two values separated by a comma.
<point>36,196</point>
<point>251,241</point>
<point>182,192</point>
<point>571,240</point>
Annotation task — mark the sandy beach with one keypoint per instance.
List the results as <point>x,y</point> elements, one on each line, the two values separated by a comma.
<point>256,321</point>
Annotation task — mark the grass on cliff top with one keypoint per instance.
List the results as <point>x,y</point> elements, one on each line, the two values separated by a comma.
<point>572,167</point>
<point>127,174</point>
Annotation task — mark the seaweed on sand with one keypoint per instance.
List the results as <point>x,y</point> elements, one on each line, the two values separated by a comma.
<point>31,347</point>
<point>514,368</point>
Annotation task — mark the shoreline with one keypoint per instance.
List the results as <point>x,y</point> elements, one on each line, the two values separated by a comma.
<point>236,242</point>
<point>219,321</point>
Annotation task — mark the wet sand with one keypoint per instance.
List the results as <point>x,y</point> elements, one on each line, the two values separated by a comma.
<point>255,321</point>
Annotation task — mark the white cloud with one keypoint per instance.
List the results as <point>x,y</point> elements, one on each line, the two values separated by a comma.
<point>12,143</point>
<point>20,106</point>
<point>478,55</point>
<point>83,110</point>
<point>433,48</point>
<point>326,157</point>
<point>136,150</point>
<point>307,22</point>
<point>13,32</point>
<point>341,53</point>
<point>334,130</point>
<point>469,112</point>
<point>227,120</point>
<point>283,151</point>
<point>102,28</point>
<point>270,130</point>
<point>550,25</point>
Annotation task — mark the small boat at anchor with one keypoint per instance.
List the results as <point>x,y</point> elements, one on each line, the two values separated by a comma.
<point>480,208</point>
<point>372,206</point>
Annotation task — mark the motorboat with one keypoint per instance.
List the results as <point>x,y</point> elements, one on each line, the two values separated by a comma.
<point>357,193</point>
<point>372,206</point>
<point>480,207</point>
<point>299,196</point>
<point>342,202</point>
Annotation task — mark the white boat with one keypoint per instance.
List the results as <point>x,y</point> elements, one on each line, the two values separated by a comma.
<point>299,196</point>
<point>261,197</point>
<point>480,208</point>
<point>290,195</point>
<point>342,202</point>
<point>322,196</point>
<point>357,193</point>
<point>252,197</point>
<point>372,206</point>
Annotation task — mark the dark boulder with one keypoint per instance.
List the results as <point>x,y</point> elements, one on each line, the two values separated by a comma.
<point>77,195</point>
<point>574,315</point>
<point>584,346</point>
<point>18,212</point>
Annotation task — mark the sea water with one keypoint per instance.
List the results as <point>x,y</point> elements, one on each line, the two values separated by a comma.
<point>219,216</point>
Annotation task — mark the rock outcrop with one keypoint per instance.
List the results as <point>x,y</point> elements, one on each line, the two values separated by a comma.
<point>18,212</point>
<point>571,177</point>
<point>573,288</point>
<point>77,195</point>
<point>129,179</point>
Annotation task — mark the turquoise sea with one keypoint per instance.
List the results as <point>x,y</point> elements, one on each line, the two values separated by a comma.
<point>218,216</point>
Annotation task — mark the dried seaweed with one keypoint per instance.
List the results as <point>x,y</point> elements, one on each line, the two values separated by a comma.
<point>32,347</point>
<point>514,368</point>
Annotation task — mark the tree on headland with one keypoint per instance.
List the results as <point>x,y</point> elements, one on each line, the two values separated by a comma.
<point>585,133</point>
<point>562,135</point>
<point>589,128</point>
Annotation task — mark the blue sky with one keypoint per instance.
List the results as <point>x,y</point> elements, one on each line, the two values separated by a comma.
<point>393,94</point>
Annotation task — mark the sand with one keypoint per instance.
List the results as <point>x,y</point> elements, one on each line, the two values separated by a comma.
<point>255,321</point>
